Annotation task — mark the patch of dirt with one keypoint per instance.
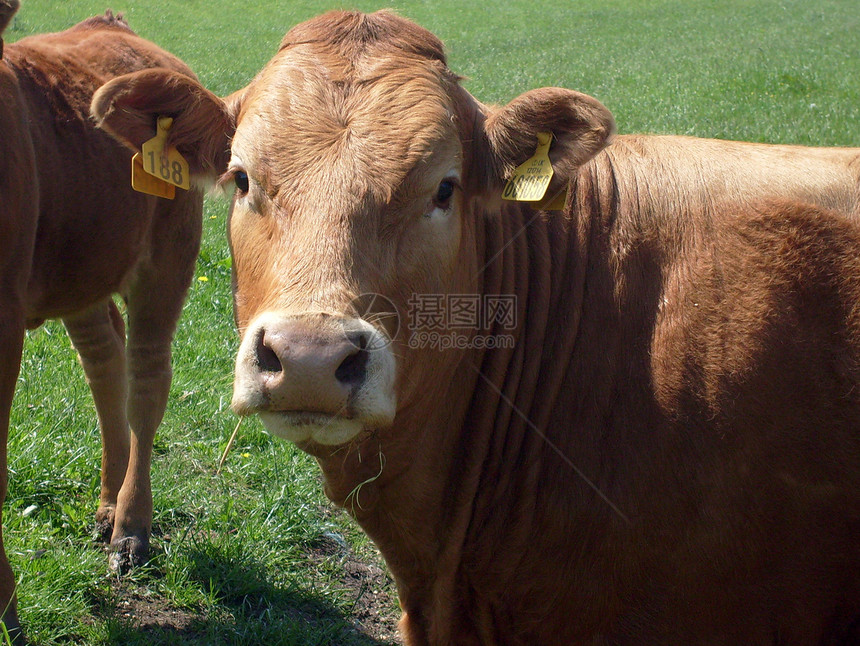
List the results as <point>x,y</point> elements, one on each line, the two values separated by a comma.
<point>374,600</point>
<point>147,611</point>
<point>374,612</point>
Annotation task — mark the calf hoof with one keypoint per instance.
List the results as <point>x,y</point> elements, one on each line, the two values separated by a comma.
<point>104,523</point>
<point>127,553</point>
<point>13,629</point>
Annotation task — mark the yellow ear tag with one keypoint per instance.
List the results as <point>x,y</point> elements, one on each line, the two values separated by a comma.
<point>166,164</point>
<point>531,178</point>
<point>143,182</point>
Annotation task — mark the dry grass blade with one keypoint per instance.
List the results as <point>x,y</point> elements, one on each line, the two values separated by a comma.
<point>229,446</point>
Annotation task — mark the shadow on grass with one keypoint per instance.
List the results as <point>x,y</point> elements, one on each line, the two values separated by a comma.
<point>249,608</point>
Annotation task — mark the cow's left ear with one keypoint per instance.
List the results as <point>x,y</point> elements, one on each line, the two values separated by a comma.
<point>581,127</point>
<point>128,108</point>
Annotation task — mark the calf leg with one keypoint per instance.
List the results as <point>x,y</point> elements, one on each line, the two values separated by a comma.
<point>149,383</point>
<point>149,336</point>
<point>98,335</point>
<point>155,296</point>
<point>11,343</point>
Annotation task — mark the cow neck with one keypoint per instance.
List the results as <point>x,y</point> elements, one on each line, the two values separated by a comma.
<point>521,433</point>
<point>540,259</point>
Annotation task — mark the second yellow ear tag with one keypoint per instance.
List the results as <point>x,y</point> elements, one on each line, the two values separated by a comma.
<point>166,164</point>
<point>143,182</point>
<point>531,178</point>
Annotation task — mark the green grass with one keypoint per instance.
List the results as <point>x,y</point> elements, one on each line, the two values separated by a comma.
<point>253,555</point>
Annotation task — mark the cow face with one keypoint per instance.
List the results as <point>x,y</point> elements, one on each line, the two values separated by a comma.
<point>356,162</point>
<point>345,185</point>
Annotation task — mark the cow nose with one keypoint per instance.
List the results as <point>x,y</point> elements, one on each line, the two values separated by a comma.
<point>305,371</point>
<point>315,377</point>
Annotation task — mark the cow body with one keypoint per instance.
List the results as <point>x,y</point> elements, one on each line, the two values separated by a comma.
<point>665,448</point>
<point>73,234</point>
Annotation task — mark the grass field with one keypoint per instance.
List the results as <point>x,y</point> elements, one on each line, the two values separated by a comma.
<point>255,555</point>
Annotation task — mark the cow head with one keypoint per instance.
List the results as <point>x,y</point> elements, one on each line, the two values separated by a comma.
<point>359,166</point>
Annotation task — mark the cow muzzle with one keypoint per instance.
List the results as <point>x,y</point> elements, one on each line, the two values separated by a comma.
<point>315,377</point>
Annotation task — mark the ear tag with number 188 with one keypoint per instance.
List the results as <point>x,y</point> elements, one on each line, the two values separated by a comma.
<point>163,167</point>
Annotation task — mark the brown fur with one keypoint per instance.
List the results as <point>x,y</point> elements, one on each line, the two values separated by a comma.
<point>73,232</point>
<point>668,454</point>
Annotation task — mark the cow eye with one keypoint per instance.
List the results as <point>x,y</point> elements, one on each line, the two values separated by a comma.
<point>444,194</point>
<point>241,180</point>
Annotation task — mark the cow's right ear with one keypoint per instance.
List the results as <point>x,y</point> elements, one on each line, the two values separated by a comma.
<point>129,106</point>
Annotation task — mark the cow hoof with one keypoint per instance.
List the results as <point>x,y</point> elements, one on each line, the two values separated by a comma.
<point>13,629</point>
<point>104,523</point>
<point>103,531</point>
<point>128,553</point>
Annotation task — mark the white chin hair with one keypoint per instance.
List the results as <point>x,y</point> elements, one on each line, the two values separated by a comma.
<point>303,427</point>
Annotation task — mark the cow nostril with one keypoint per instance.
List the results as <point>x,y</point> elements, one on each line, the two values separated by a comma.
<point>267,359</point>
<point>352,369</point>
<point>358,339</point>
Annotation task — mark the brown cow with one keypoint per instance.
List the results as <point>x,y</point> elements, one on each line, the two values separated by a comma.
<point>657,442</point>
<point>72,232</point>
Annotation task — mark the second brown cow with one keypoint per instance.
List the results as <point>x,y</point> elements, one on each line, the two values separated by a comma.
<point>72,233</point>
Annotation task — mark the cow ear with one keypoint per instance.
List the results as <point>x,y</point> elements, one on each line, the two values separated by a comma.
<point>580,125</point>
<point>129,106</point>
